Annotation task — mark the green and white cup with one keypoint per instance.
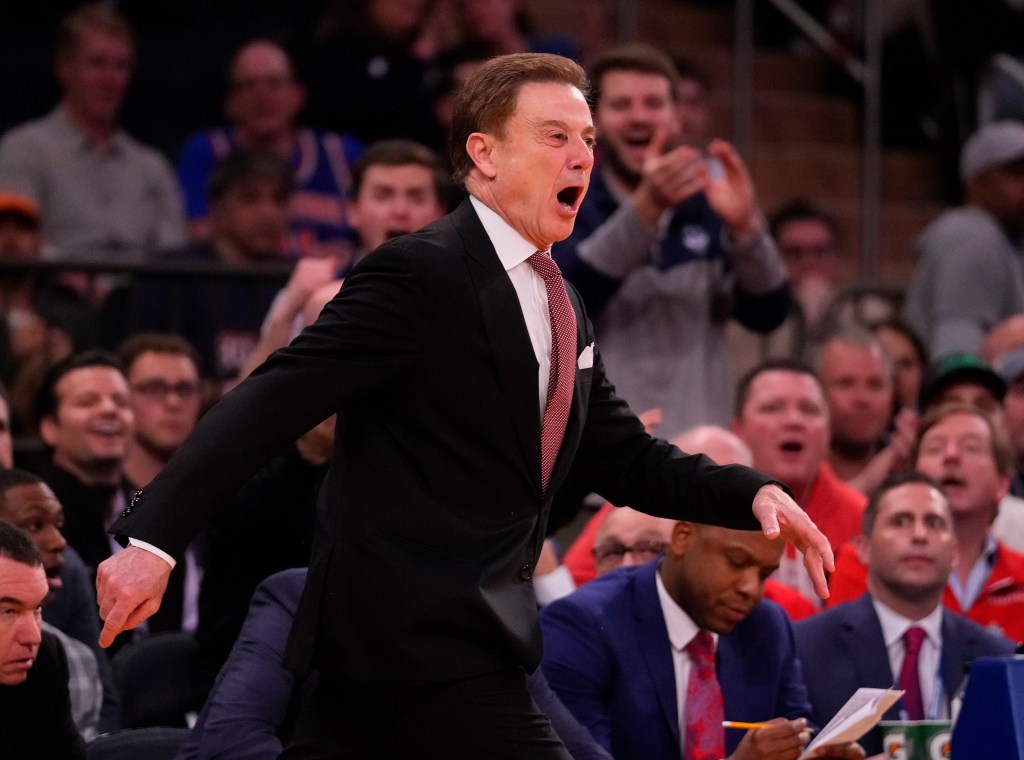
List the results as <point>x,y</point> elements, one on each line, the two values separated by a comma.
<point>915,739</point>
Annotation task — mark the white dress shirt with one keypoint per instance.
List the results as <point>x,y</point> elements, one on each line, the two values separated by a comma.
<point>681,631</point>
<point>929,659</point>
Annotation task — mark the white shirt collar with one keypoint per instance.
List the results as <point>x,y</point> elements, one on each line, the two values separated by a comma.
<point>895,625</point>
<point>512,248</point>
<point>681,628</point>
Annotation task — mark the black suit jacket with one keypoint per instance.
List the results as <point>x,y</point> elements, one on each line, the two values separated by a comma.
<point>432,516</point>
<point>842,649</point>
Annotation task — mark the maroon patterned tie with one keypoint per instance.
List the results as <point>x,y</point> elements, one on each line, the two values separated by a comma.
<point>705,737</point>
<point>909,681</point>
<point>562,377</point>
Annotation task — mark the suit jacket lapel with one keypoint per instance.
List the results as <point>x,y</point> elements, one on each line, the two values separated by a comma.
<point>655,648</point>
<point>863,639</point>
<point>514,360</point>
<point>956,646</point>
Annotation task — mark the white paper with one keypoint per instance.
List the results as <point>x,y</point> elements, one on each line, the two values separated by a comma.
<point>859,715</point>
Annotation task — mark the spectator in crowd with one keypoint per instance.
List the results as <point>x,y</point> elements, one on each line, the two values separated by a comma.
<point>398,187</point>
<point>808,240</point>
<point>1005,336</point>
<point>857,375</point>
<point>101,194</point>
<point>964,379</point>
<point>626,538</point>
<point>45,317</point>
<point>6,439</point>
<point>783,417</point>
<point>693,103</point>
<point>968,379</point>
<point>220,316</point>
<point>633,654</point>
<point>909,360</point>
<point>264,100</point>
<point>69,609</point>
<point>909,549</point>
<point>87,425</point>
<point>668,246</point>
<point>162,370</point>
<point>365,76</point>
<point>1010,367</point>
<point>35,706</point>
<point>969,274</point>
<point>968,455</point>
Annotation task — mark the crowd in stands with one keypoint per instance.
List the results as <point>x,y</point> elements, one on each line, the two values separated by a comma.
<point>138,284</point>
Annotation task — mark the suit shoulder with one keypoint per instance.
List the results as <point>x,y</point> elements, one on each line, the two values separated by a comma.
<point>823,622</point>
<point>600,597</point>
<point>985,642</point>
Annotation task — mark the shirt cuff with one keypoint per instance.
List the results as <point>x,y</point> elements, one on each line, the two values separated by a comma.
<point>554,585</point>
<point>150,548</point>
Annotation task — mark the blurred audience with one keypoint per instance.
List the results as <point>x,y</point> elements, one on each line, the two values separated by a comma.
<point>857,375</point>
<point>262,106</point>
<point>220,315</point>
<point>669,244</point>
<point>969,273</point>
<point>102,194</point>
<point>909,360</point>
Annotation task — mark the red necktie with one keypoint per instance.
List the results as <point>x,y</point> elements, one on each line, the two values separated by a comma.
<point>705,737</point>
<point>562,377</point>
<point>909,681</point>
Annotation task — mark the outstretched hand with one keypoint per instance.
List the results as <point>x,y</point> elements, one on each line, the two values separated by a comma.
<point>732,195</point>
<point>129,588</point>
<point>781,516</point>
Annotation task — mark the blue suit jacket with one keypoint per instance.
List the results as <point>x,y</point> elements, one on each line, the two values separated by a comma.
<point>607,655</point>
<point>842,649</point>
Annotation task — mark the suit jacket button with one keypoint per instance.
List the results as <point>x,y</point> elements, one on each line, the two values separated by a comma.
<point>525,573</point>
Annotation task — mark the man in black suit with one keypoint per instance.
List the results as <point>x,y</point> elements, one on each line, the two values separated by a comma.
<point>908,546</point>
<point>419,612</point>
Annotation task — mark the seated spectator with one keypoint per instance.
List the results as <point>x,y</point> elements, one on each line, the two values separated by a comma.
<point>1010,366</point>
<point>969,274</point>
<point>101,194</point>
<point>781,414</point>
<point>634,655</point>
<point>44,316</point>
<point>162,370</point>
<point>857,376</point>
<point>28,504</point>
<point>87,424</point>
<point>808,240</point>
<point>253,703</point>
<point>897,632</point>
<point>35,706</point>
<point>968,455</point>
<point>220,316</point>
<point>263,102</point>
<point>909,360</point>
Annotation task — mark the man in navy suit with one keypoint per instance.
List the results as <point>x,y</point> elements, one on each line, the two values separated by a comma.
<point>907,545</point>
<point>419,611</point>
<point>614,649</point>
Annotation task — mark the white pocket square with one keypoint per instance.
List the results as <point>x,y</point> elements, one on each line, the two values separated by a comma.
<point>586,360</point>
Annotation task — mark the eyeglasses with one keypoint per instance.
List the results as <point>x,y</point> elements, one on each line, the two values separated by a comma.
<point>643,551</point>
<point>158,390</point>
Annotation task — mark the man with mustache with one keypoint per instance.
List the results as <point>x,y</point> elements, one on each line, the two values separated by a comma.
<point>908,546</point>
<point>619,652</point>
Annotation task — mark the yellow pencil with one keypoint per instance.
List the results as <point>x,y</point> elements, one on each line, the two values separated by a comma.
<point>742,724</point>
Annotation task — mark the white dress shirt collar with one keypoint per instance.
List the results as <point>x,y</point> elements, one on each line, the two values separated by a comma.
<point>895,625</point>
<point>513,249</point>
